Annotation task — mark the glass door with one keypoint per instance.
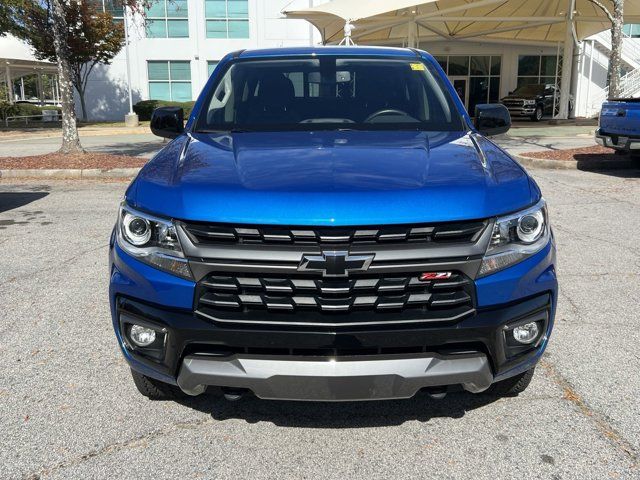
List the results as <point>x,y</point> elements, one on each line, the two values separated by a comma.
<point>460,85</point>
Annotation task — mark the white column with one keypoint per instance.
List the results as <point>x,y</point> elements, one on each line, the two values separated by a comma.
<point>567,63</point>
<point>40,87</point>
<point>411,34</point>
<point>9,85</point>
<point>588,102</point>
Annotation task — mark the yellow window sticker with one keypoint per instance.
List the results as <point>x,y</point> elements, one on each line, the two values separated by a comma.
<point>417,66</point>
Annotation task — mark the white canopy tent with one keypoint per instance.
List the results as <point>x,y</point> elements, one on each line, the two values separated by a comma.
<point>402,22</point>
<point>17,61</point>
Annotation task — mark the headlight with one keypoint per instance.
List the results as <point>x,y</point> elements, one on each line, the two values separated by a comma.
<point>516,237</point>
<point>151,240</point>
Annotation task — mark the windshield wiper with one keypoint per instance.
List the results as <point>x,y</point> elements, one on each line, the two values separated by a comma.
<point>224,130</point>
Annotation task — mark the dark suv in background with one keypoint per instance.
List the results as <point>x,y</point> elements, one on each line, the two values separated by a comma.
<point>534,101</point>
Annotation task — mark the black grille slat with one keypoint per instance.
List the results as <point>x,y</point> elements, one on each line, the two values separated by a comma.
<point>212,234</point>
<point>448,299</point>
<point>327,298</point>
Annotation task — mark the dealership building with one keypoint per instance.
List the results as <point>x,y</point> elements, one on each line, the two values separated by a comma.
<point>172,54</point>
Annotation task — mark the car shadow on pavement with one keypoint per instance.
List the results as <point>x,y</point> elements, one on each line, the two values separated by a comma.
<point>621,166</point>
<point>145,149</point>
<point>340,414</point>
<point>13,200</point>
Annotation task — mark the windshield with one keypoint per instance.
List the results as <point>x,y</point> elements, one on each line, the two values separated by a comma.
<point>534,89</point>
<point>330,93</point>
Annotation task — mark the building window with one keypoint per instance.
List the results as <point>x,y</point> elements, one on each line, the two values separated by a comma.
<point>227,18</point>
<point>114,7</point>
<point>211,66</point>
<point>476,78</point>
<point>168,19</point>
<point>169,80</point>
<point>536,69</point>
<point>631,30</point>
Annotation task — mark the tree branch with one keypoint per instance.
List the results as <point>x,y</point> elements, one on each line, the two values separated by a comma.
<point>602,7</point>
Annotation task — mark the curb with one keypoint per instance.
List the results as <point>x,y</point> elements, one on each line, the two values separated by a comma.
<point>622,164</point>
<point>67,173</point>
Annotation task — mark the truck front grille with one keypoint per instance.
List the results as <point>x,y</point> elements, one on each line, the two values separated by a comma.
<point>513,103</point>
<point>311,300</point>
<point>219,234</point>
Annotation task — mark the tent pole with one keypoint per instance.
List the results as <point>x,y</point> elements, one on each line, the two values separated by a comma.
<point>567,63</point>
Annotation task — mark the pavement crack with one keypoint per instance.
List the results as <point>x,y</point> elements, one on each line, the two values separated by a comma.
<point>632,251</point>
<point>588,191</point>
<point>114,447</point>
<point>601,423</point>
<point>8,326</point>
<point>55,265</point>
<point>575,307</point>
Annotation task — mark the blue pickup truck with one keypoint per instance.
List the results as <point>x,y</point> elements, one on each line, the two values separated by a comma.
<point>331,225</point>
<point>619,126</point>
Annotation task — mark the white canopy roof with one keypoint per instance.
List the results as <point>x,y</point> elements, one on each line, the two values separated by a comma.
<point>17,58</point>
<point>394,21</point>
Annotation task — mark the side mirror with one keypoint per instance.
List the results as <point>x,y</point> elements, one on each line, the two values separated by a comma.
<point>492,119</point>
<point>167,122</point>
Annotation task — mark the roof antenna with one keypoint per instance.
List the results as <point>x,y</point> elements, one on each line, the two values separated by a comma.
<point>348,28</point>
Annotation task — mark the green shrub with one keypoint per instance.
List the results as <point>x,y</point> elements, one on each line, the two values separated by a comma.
<point>8,110</point>
<point>23,109</point>
<point>145,108</point>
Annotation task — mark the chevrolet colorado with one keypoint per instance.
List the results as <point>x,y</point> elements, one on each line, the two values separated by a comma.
<point>619,126</point>
<point>330,225</point>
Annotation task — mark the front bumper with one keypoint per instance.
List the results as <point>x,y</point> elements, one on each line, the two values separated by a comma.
<point>527,111</point>
<point>325,365</point>
<point>617,142</point>
<point>348,379</point>
<point>333,365</point>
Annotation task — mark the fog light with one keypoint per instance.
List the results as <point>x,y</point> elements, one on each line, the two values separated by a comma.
<point>526,333</point>
<point>142,336</point>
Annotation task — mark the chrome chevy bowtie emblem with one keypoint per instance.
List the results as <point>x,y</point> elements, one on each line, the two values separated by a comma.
<point>335,264</point>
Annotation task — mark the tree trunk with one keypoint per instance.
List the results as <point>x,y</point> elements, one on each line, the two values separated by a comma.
<point>616,49</point>
<point>70,138</point>
<point>83,106</point>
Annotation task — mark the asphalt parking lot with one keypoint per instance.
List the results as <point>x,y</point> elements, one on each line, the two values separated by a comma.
<point>70,410</point>
<point>143,145</point>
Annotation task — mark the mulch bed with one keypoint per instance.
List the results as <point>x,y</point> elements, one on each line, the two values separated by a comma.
<point>80,161</point>
<point>586,153</point>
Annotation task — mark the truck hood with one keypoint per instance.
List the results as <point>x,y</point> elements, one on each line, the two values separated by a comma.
<point>331,178</point>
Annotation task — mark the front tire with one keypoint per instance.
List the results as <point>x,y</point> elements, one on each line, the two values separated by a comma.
<point>155,389</point>
<point>512,387</point>
<point>537,116</point>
